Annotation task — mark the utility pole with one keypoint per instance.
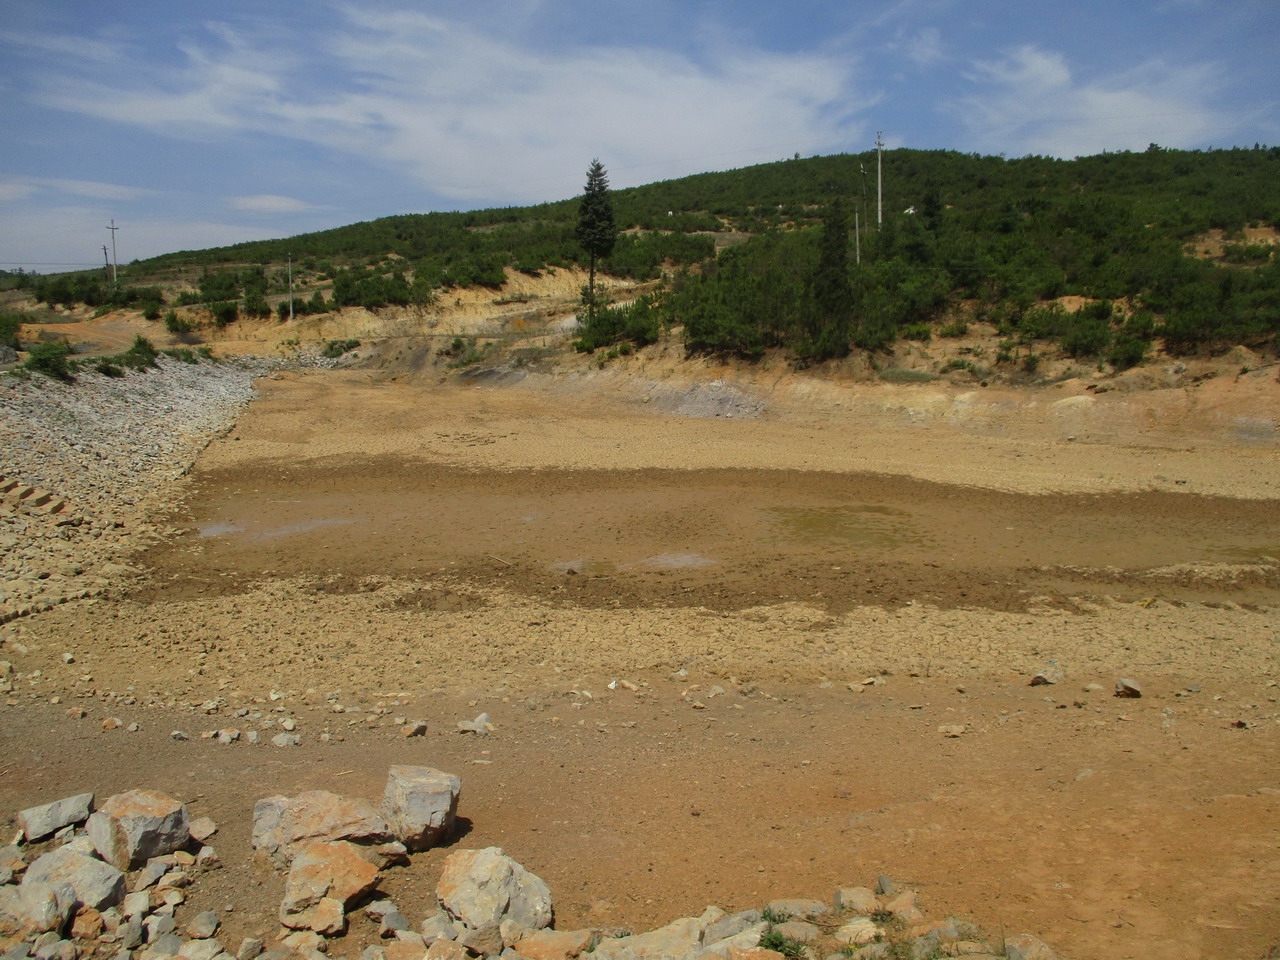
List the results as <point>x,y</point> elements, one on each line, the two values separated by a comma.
<point>106,262</point>
<point>291,287</point>
<point>115,264</point>
<point>879,178</point>
<point>857,237</point>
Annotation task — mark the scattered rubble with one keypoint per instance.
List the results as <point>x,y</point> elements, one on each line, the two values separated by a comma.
<point>71,903</point>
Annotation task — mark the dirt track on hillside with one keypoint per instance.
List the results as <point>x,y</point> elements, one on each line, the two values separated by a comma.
<point>429,552</point>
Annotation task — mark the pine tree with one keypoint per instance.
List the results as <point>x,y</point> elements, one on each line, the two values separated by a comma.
<point>597,230</point>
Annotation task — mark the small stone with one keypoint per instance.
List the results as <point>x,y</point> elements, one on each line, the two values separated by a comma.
<point>416,728</point>
<point>1049,675</point>
<point>286,740</point>
<point>202,828</point>
<point>179,735</point>
<point>87,925</point>
<point>1026,947</point>
<point>112,723</point>
<point>165,945</point>
<point>952,729</point>
<point>480,725</point>
<point>202,926</point>
<point>859,900</point>
<point>1127,688</point>
<point>200,950</point>
<point>249,949</point>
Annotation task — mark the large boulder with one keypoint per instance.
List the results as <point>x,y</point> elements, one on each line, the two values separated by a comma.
<point>38,822</point>
<point>284,825</point>
<point>35,908</point>
<point>131,828</point>
<point>323,881</point>
<point>420,804</point>
<point>96,884</point>
<point>486,887</point>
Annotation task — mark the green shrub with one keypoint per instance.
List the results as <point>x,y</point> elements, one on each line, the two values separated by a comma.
<point>1127,351</point>
<point>224,312</point>
<point>9,325</point>
<point>789,947</point>
<point>107,368</point>
<point>336,348</point>
<point>1089,336</point>
<point>50,358</point>
<point>954,329</point>
<point>920,332</point>
<point>636,322</point>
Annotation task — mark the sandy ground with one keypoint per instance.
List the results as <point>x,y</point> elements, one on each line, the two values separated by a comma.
<point>368,550</point>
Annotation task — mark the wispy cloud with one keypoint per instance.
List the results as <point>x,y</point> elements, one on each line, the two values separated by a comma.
<point>21,188</point>
<point>270,203</point>
<point>29,43</point>
<point>1031,98</point>
<point>476,118</point>
<point>922,47</point>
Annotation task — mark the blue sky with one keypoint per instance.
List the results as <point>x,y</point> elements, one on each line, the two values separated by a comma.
<point>201,124</point>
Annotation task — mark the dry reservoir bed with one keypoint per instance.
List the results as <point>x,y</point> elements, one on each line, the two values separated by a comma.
<point>369,552</point>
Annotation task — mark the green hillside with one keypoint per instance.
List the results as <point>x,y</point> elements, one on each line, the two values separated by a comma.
<point>803,265</point>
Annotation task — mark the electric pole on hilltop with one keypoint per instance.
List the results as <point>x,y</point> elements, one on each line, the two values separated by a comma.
<point>115,264</point>
<point>106,262</point>
<point>879,178</point>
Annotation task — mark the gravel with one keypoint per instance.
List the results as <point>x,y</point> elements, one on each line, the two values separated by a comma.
<point>105,450</point>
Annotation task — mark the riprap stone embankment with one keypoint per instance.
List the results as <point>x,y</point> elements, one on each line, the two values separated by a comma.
<point>86,467</point>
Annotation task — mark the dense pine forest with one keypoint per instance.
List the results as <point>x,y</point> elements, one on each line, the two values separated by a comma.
<point>802,255</point>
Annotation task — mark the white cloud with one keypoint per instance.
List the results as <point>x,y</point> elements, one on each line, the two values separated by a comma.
<point>16,190</point>
<point>474,118</point>
<point>270,203</point>
<point>52,44</point>
<point>1032,100</point>
<point>924,48</point>
<point>22,188</point>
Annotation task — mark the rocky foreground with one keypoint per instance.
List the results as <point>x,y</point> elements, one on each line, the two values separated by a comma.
<point>124,881</point>
<point>85,468</point>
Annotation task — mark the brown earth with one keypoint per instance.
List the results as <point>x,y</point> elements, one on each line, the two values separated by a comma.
<point>514,542</point>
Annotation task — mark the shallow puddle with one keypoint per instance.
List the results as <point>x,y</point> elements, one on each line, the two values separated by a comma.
<point>257,532</point>
<point>663,561</point>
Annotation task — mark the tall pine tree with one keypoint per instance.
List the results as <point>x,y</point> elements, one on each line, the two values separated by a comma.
<point>597,230</point>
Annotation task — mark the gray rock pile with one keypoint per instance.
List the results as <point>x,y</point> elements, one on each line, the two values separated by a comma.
<point>123,882</point>
<point>83,464</point>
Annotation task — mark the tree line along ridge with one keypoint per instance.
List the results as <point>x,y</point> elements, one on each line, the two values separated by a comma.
<point>788,255</point>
